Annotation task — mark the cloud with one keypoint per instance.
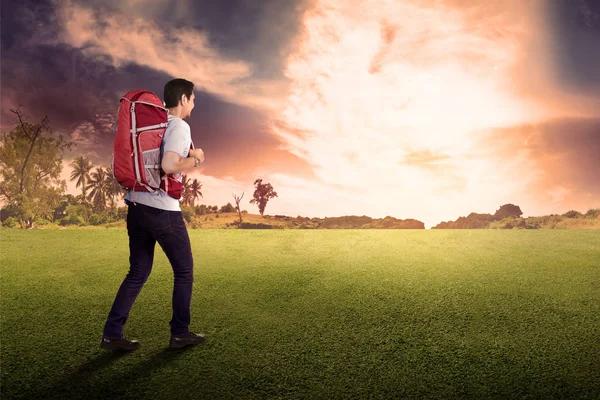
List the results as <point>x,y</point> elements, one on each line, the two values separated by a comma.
<point>179,52</point>
<point>426,159</point>
<point>562,158</point>
<point>390,99</point>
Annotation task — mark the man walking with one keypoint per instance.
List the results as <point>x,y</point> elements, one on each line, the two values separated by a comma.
<point>155,218</point>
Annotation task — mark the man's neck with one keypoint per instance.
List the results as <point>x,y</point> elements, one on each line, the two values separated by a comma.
<point>176,112</point>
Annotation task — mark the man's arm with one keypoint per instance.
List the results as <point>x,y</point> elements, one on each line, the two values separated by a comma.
<point>173,163</point>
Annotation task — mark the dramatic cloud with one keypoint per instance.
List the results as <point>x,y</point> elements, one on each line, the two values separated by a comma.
<point>124,39</point>
<point>427,109</point>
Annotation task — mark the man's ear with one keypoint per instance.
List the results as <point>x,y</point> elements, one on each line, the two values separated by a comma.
<point>183,99</point>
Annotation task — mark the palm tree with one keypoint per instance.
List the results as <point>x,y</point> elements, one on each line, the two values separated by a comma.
<point>194,191</point>
<point>113,189</point>
<point>99,189</point>
<point>185,193</point>
<point>81,172</point>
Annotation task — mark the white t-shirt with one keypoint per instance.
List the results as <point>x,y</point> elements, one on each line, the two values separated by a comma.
<point>178,138</point>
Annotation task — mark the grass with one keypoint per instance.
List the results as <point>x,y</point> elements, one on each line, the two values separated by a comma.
<point>293,314</point>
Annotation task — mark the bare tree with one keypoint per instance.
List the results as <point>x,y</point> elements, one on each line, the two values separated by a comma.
<point>30,167</point>
<point>237,204</point>
<point>32,136</point>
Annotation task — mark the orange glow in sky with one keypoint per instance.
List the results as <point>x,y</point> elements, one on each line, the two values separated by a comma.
<point>426,109</point>
<point>392,99</point>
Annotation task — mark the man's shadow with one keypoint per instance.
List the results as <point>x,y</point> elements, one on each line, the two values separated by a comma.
<point>87,381</point>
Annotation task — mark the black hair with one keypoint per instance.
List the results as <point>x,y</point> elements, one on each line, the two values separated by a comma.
<point>174,89</point>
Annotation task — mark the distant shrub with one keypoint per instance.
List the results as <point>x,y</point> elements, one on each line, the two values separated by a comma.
<point>195,224</point>
<point>506,211</point>
<point>10,222</point>
<point>72,219</point>
<point>308,225</point>
<point>42,222</point>
<point>572,214</point>
<point>228,208</point>
<point>249,225</point>
<point>532,224</point>
<point>471,221</point>
<point>122,213</point>
<point>94,219</point>
<point>346,222</point>
<point>510,223</point>
<point>187,214</point>
<point>593,214</point>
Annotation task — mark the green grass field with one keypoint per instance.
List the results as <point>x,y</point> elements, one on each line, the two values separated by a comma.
<point>323,314</point>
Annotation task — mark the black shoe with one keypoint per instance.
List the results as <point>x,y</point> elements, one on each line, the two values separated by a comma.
<point>119,344</point>
<point>189,339</point>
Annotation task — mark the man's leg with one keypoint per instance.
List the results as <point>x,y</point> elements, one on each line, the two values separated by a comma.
<point>176,245</point>
<point>141,256</point>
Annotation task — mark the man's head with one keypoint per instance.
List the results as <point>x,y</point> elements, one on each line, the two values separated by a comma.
<point>179,95</point>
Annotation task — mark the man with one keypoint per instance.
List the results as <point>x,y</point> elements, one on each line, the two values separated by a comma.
<point>155,218</point>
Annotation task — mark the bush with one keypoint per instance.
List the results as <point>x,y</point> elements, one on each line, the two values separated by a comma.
<point>532,225</point>
<point>187,214</point>
<point>122,212</point>
<point>507,211</point>
<point>195,224</point>
<point>572,214</point>
<point>94,219</point>
<point>228,208</point>
<point>10,222</point>
<point>248,225</point>
<point>42,222</point>
<point>72,219</point>
<point>510,223</point>
<point>593,213</point>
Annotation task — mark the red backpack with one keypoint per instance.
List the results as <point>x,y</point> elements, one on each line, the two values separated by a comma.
<point>141,124</point>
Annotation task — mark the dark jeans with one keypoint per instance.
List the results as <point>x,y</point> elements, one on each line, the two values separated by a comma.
<point>146,226</point>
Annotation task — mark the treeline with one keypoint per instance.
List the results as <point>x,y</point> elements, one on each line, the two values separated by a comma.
<point>32,193</point>
<point>345,222</point>
<point>350,222</point>
<point>509,216</point>
<point>71,212</point>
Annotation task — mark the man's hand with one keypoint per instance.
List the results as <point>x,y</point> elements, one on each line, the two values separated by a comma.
<point>198,153</point>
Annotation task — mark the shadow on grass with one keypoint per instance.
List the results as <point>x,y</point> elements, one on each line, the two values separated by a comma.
<point>99,379</point>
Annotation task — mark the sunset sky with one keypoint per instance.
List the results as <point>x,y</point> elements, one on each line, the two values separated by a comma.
<point>425,109</point>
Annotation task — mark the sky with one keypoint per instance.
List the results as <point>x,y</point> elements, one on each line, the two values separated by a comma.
<point>424,109</point>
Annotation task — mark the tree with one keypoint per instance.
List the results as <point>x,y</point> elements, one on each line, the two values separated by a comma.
<point>30,167</point>
<point>185,191</point>
<point>237,204</point>
<point>227,208</point>
<point>113,189</point>
<point>97,184</point>
<point>573,214</point>
<point>81,172</point>
<point>508,210</point>
<point>60,210</point>
<point>194,191</point>
<point>262,194</point>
